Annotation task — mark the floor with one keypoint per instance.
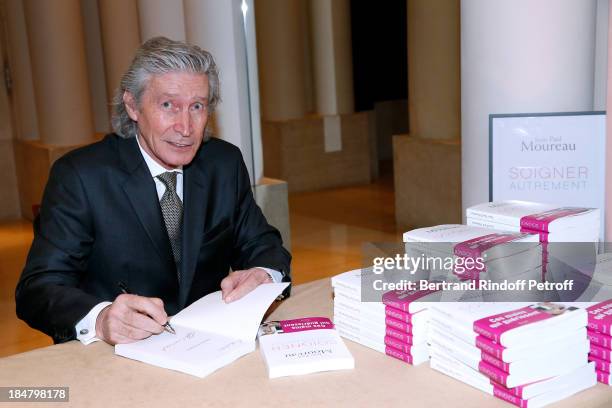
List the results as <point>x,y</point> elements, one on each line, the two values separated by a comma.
<point>328,229</point>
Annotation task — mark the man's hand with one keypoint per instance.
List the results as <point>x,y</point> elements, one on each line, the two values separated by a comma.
<point>239,283</point>
<point>130,318</point>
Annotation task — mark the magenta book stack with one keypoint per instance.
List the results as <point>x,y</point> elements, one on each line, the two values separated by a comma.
<point>395,325</point>
<point>530,355</point>
<point>553,225</point>
<point>600,337</point>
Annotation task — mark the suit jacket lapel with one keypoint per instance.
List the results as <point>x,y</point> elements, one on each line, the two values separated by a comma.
<point>140,190</point>
<point>195,200</point>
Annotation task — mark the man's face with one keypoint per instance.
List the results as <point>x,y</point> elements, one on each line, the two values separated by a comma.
<point>171,117</point>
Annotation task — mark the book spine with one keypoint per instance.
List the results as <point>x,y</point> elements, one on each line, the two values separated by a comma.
<point>493,373</point>
<point>487,358</point>
<point>541,221</point>
<point>601,365</point>
<point>600,353</point>
<point>599,339</point>
<point>401,336</point>
<point>401,306</point>
<point>398,325</point>
<point>490,347</point>
<point>600,317</point>
<point>504,395</point>
<point>603,377</point>
<point>400,355</point>
<point>516,391</point>
<point>600,327</point>
<point>399,345</point>
<point>398,314</point>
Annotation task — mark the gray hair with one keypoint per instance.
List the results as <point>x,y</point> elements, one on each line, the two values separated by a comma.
<point>159,56</point>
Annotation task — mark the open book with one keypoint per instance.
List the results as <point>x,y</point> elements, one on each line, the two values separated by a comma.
<point>209,333</point>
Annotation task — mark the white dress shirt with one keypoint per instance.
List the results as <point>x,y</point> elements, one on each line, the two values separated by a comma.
<point>86,327</point>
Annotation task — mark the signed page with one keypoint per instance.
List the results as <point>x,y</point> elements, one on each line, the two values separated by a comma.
<point>209,333</point>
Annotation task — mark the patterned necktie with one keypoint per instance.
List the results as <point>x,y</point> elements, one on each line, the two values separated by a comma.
<point>172,210</point>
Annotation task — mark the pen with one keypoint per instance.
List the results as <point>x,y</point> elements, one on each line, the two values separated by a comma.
<point>124,289</point>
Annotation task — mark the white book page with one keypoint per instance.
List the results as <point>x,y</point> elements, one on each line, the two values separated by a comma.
<point>239,319</point>
<point>186,345</point>
<point>192,351</point>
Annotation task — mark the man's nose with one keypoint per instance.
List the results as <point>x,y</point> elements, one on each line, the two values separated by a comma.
<point>183,123</point>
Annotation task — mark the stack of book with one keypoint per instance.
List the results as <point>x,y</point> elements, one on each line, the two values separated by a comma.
<point>505,256</point>
<point>553,224</point>
<point>528,355</point>
<point>600,337</point>
<point>396,325</point>
<point>407,325</point>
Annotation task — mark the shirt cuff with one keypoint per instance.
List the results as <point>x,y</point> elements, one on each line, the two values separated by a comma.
<point>86,327</point>
<point>276,276</point>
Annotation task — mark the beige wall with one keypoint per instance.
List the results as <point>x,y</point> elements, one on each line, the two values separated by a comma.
<point>434,90</point>
<point>427,181</point>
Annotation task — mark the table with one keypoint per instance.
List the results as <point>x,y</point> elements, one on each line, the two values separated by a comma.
<point>98,378</point>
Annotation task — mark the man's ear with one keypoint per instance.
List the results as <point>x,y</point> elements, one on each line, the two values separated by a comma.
<point>130,105</point>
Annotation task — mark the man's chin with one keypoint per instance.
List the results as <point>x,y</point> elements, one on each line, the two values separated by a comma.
<point>174,161</point>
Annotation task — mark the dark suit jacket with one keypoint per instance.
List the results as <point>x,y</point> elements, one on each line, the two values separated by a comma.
<point>100,223</point>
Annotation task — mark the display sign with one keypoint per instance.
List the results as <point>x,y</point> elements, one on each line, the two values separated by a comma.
<point>555,158</point>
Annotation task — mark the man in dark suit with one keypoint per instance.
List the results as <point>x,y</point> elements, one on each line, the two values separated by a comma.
<point>157,207</point>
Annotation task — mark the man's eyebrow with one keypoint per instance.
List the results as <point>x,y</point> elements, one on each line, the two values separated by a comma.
<point>174,95</point>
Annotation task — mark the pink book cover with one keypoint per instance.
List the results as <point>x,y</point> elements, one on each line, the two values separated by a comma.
<point>401,299</point>
<point>398,314</point>
<point>541,221</point>
<point>306,323</point>
<point>475,247</point>
<point>543,235</point>
<point>600,340</point>
<point>600,317</point>
<point>603,377</point>
<point>503,394</point>
<point>493,327</point>
<point>601,365</point>
<point>600,353</point>
<point>398,325</point>
<point>392,352</point>
<point>399,345</point>
<point>493,373</point>
<point>516,391</point>
<point>396,334</point>
<point>495,362</point>
<point>490,347</point>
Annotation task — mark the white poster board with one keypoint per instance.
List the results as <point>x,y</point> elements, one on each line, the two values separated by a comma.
<point>555,158</point>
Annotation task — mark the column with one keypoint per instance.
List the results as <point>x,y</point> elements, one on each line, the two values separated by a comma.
<point>218,27</point>
<point>520,56</point>
<point>434,69</point>
<point>21,71</point>
<point>332,57</point>
<point>281,56</point>
<point>161,17</point>
<point>59,71</point>
<point>608,219</point>
<point>120,39</point>
<point>95,66</point>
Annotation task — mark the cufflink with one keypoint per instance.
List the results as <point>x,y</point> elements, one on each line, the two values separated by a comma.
<point>84,331</point>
